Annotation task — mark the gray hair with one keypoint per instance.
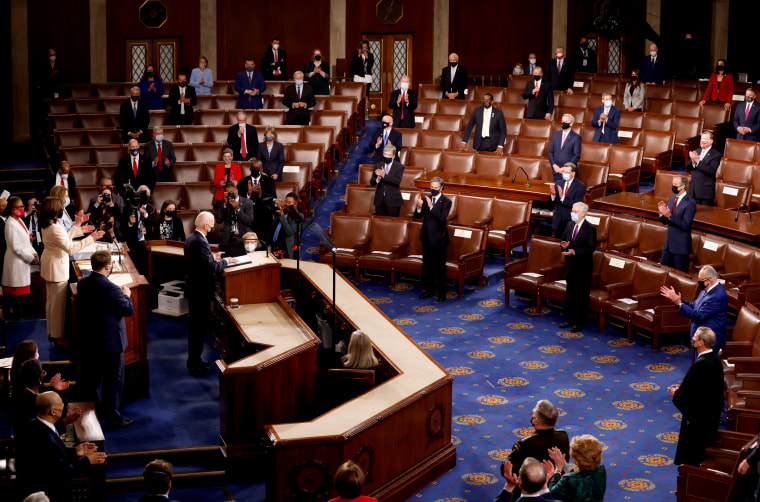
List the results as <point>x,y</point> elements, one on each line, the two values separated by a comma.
<point>571,165</point>
<point>710,271</point>
<point>572,119</point>
<point>455,55</point>
<point>37,497</point>
<point>389,149</point>
<point>708,133</point>
<point>227,150</point>
<point>546,412</point>
<point>297,72</point>
<point>581,206</point>
<point>684,180</point>
<point>437,179</point>
<point>538,68</point>
<point>706,335</point>
<point>133,88</point>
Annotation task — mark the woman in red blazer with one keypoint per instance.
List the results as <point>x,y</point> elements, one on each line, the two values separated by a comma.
<point>720,89</point>
<point>222,176</point>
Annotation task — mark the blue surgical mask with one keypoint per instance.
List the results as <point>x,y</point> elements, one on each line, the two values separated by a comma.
<point>134,151</point>
<point>66,202</point>
<point>566,176</point>
<point>299,82</point>
<point>160,138</point>
<point>574,217</point>
<point>270,137</point>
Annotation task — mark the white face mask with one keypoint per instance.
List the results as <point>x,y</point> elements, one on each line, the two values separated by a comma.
<point>532,60</point>
<point>202,66</point>
<point>559,55</point>
<point>404,86</point>
<point>653,54</point>
<point>52,58</point>
<point>607,102</point>
<point>250,248</point>
<point>275,46</point>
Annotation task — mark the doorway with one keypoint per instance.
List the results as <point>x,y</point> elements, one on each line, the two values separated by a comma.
<point>162,53</point>
<point>393,59</point>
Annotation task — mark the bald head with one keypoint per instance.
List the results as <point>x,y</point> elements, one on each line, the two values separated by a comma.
<point>532,477</point>
<point>49,406</point>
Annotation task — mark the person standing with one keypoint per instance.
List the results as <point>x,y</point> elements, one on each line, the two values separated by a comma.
<point>606,119</point>
<point>299,100</point>
<point>274,64</point>
<point>135,169</point>
<point>561,72</point>
<point>403,102</point>
<point>578,244</point>
<point>564,147</point>
<point>362,63</point>
<point>19,255</point>
<point>540,97</point>
<point>250,85</point>
<point>225,173</point>
<point>699,398</point>
<point>747,117</point>
<point>387,178</point>
<point>182,99</point>
<point>565,194</point>
<point>152,89</point>
<point>271,154</point>
<point>678,215</point>
<point>317,74</point>
<point>202,78</point>
<point>434,235</point>
<point>243,139</point>
<point>583,58</point>
<point>703,164</point>
<point>383,137</point>
<point>652,67</point>
<point>720,88</point>
<point>454,79</point>
<point>235,213</point>
<point>634,93</point>
<point>134,117</point>
<point>490,128</point>
<point>159,153</point>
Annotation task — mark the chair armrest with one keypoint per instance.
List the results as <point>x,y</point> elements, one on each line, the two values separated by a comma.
<point>553,273</point>
<point>745,364</point>
<point>664,160</point>
<point>515,268</point>
<point>618,288</point>
<point>623,245</point>
<point>734,277</point>
<point>737,349</point>
<point>646,296</point>
<point>484,222</point>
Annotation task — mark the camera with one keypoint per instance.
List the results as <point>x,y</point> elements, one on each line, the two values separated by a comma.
<point>106,197</point>
<point>134,199</point>
<point>230,195</point>
<point>107,226</point>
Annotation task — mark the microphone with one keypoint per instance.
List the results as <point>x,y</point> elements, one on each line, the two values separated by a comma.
<point>749,211</point>
<point>266,246</point>
<point>527,178</point>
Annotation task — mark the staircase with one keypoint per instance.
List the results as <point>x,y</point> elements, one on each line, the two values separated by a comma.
<point>25,170</point>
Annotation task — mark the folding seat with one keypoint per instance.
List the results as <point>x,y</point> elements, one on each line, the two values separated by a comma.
<point>347,105</point>
<point>225,102</point>
<point>458,162</point>
<point>409,259</point>
<point>531,165</point>
<point>193,133</point>
<point>106,136</point>
<point>388,237</point>
<point>739,149</point>
<point>688,131</point>
<point>222,87</point>
<point>216,133</point>
<point>410,137</point>
<point>625,167</point>
<point>206,152</point>
<point>594,176</point>
<point>644,294</point>
<point>452,123</point>
<point>337,121</point>
<point>465,254</point>
<point>360,199</point>
<point>580,100</point>
<point>60,106</point>
<point>526,145</point>
<point>732,195</point>
<point>189,172</point>
<point>658,121</point>
<point>654,105</point>
<point>310,152</point>
<point>85,175</point>
<point>108,154</point>
<point>438,139</point>
<point>112,104</point>
<point>651,240</point>
<point>205,102</point>
<point>513,110</point>
<point>158,117</point>
<point>615,279</point>
<point>587,133</point>
<point>430,106</point>
<point>474,211</point>
<point>687,109</point>
<point>411,174</point>
<point>87,105</point>
<point>685,94</point>
<point>422,121</point>
<point>490,165</point>
<point>111,120</point>
<point>624,233</point>
<point>198,195</point>
<point>658,150</point>
<point>183,153</point>
<point>509,227</point>
<point>544,264</point>
<point>595,152</point>
<point>711,251</point>
<point>660,92</point>
<point>633,120</point>
<point>167,191</point>
<point>95,120</point>
<point>70,137</point>
<point>629,136</point>
<point>429,91</point>
<point>210,117</point>
<point>514,126</point>
<point>512,95</point>
<point>456,107</point>
<point>350,233</point>
<point>326,137</point>
<point>65,121</point>
<point>536,128</point>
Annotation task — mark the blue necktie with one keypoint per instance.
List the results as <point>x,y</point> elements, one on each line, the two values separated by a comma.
<point>385,139</point>
<point>277,231</point>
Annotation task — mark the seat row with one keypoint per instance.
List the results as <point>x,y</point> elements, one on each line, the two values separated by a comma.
<point>739,149</point>
<point>731,189</point>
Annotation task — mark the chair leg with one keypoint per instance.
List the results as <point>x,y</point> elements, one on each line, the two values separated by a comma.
<point>630,332</point>
<point>393,278</point>
<point>538,303</point>
<point>506,295</point>
<point>655,339</point>
<point>461,286</point>
<point>602,321</point>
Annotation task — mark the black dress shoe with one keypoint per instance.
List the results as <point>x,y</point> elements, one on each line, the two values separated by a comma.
<point>123,423</point>
<point>565,325</point>
<point>425,294</point>
<point>577,328</point>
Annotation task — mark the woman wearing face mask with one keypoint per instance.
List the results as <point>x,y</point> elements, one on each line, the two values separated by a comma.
<point>152,89</point>
<point>202,79</point>
<point>519,69</point>
<point>720,89</point>
<point>634,94</point>
<point>65,221</point>
<point>317,73</point>
<point>169,226</point>
<point>251,242</point>
<point>272,154</point>
<point>19,255</point>
<point>225,172</point>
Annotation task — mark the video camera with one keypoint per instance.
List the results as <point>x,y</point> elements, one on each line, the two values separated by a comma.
<point>134,199</point>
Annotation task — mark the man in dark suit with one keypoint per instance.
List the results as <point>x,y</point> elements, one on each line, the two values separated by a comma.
<point>107,183</point>
<point>159,153</point>
<point>578,245</point>
<point>699,398</point>
<point>403,102</point>
<point>606,119</point>
<point>236,215</point>
<point>387,178</point>
<point>182,100</point>
<point>158,481</point>
<point>453,79</point>
<point>135,169</point>
<point>32,222</point>
<point>273,64</point>
<point>299,99</point>
<point>250,85</point>
<point>703,164</point>
<point>747,118</point>
<point>564,147</point>
<point>583,58</point>
<point>490,128</point>
<point>384,136</point>
<point>134,117</point>
<point>532,481</point>
<point>678,215</point>
<point>43,462</point>
<point>561,72</point>
<point>201,266</point>
<point>531,64</point>
<point>565,194</point>
<point>540,97</point>
<point>243,139</point>
<point>749,469</point>
<point>652,67</point>
<point>285,225</point>
<point>260,189</point>
<point>65,177</point>
<point>104,337</point>
<point>435,239</point>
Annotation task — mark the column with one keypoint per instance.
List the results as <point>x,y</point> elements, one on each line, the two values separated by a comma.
<point>98,42</point>
<point>440,39</point>
<point>653,18</point>
<point>337,33</point>
<point>20,69</point>
<point>208,30</point>
<point>559,25</point>
<point>719,42</point>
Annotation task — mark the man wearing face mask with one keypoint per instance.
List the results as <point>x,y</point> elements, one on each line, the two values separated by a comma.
<point>285,225</point>
<point>703,164</point>
<point>606,119</point>
<point>134,169</point>
<point>182,99</point>
<point>710,309</point>
<point>561,72</point>
<point>583,58</point>
<point>50,77</point>
<point>403,102</point>
<point>578,244</point>
<point>540,97</point>
<point>387,178</point>
<point>565,194</point>
<point>260,189</point>
<point>434,235</point>
<point>250,85</point>
<point>531,64</point>
<point>385,136</point>
<point>236,215</point>
<point>243,139</point>
<point>747,117</point>
<point>453,79</point>
<point>490,128</point>
<point>299,100</point>
<point>273,64</point>
<point>159,153</point>
<point>652,67</point>
<point>564,147</point>
<point>65,178</point>
<point>134,117</point>
<point>678,215</point>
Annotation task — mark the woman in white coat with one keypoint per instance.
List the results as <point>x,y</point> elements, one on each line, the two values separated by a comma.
<point>54,265</point>
<point>19,255</point>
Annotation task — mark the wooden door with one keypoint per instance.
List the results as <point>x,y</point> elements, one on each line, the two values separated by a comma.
<point>162,53</point>
<point>393,59</point>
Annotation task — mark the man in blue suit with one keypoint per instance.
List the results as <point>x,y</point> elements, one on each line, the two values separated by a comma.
<point>564,147</point>
<point>490,128</point>
<point>652,67</point>
<point>709,309</point>
<point>606,119</point>
<point>566,193</point>
<point>747,118</point>
<point>102,308</point>
<point>250,85</point>
<point>678,215</point>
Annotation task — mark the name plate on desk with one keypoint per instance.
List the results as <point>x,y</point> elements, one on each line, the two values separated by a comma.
<point>458,232</point>
<point>406,195</point>
<point>290,169</point>
<point>578,83</point>
<point>593,220</point>
<point>738,97</point>
<point>419,120</point>
<point>617,263</point>
<point>625,134</point>
<point>712,246</point>
<point>731,191</point>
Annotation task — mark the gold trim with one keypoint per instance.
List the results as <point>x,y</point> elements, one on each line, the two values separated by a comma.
<point>143,22</point>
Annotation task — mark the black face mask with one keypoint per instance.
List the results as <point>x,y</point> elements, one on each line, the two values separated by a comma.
<point>386,125</point>
<point>255,172</point>
<point>452,64</point>
<point>135,98</point>
<point>435,192</point>
<point>149,74</point>
<point>536,77</point>
<point>388,160</point>
<point>171,214</point>
<point>182,84</point>
<point>565,125</point>
<point>634,79</point>
<point>675,189</point>
<point>702,284</point>
<point>317,58</point>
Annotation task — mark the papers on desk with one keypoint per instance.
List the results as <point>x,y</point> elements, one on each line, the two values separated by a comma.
<point>367,79</point>
<point>6,362</point>
<point>121,279</point>
<point>530,274</point>
<point>241,260</point>
<point>627,301</point>
<point>86,252</point>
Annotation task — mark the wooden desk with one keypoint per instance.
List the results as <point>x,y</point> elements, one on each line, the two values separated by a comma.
<point>488,185</point>
<point>166,262</point>
<point>709,219</point>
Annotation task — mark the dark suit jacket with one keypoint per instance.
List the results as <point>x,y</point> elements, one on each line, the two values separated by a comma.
<point>497,127</point>
<point>565,206</point>
<point>702,185</point>
<point>393,104</point>
<point>561,80</point>
<point>298,115</point>
<point>272,164</point>
<point>650,73</point>
<point>130,123</point>
<point>200,268</point>
<point>458,85</point>
<point>752,121</point>
<point>577,57</point>
<point>175,118</point>
<point>267,68</point>
<point>178,229</point>
<point>145,173</point>
<point>394,138</point>
<point>167,152</point>
<point>584,244</point>
<point>262,212</point>
<point>561,154</point>
<point>225,216</point>
<point>242,84</point>
<point>104,326</point>
<point>610,127</point>
<point>528,70</point>
<point>434,227</point>
<point>251,142</point>
<point>678,237</point>
<point>700,401</point>
<point>541,104</point>
<point>389,185</point>
<point>357,67</point>
<point>537,446</point>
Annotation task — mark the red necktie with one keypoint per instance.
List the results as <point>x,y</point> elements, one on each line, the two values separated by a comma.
<point>159,158</point>
<point>243,151</point>
<point>746,110</point>
<point>62,183</point>
<point>403,95</point>
<point>675,204</point>
<point>134,166</point>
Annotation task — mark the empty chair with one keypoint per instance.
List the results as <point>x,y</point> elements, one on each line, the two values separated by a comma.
<point>688,130</point>
<point>655,105</point>
<point>350,233</point>
<point>490,165</point>
<point>732,195</point>
<point>451,123</point>
<point>204,102</point>
<point>594,176</point>
<point>634,120</point>
<point>112,105</point>
<point>651,240</point>
<point>106,136</point>
<point>225,101</point>
<point>687,109</point>
<point>73,137</point>
<point>95,120</point>
<point>512,95</point>
<point>644,294</point>
<point>108,154</point>
<point>545,263</point>
<point>658,150</point>
<point>65,121</point>
<point>60,106</point>
<point>525,145</point>
<point>182,152</point>
<point>600,87</point>
<point>193,134</point>
<point>474,211</point>
<point>409,260</point>
<point>533,167</point>
<point>87,105</point>
<point>85,175</point>
<point>213,117</point>
<point>535,128</point>
<point>388,238</point>
<point>456,107</point>
<point>739,149</point>
<point>512,110</point>
<point>625,167</point>
<point>429,91</point>
<point>659,92</point>
<point>428,106</point>
<point>108,89</point>
<point>577,99</point>
<point>167,190</point>
<point>615,280</point>
<point>458,162</point>
<point>629,136</point>
<point>189,172</point>
<point>465,254</point>
<point>428,158</point>
<point>360,199</point>
<point>739,171</point>
<point>206,152</point>
<point>198,195</point>
<point>438,139</point>
<point>410,137</point>
<point>658,121</point>
<point>710,251</point>
<point>595,152</point>
<point>624,234</point>
<point>509,227</point>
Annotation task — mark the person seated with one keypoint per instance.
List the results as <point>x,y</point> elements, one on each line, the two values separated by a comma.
<point>589,483</point>
<point>360,355</point>
<point>251,242</point>
<point>168,226</point>
<point>349,481</point>
<point>109,224</point>
<point>285,226</point>
<point>152,89</point>
<point>24,397</point>
<point>530,481</point>
<point>25,351</point>
<point>272,154</point>
<point>158,481</point>
<point>519,69</point>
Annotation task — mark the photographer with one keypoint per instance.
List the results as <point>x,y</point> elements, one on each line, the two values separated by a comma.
<point>285,225</point>
<point>139,221</point>
<point>107,223</point>
<point>260,189</point>
<point>236,214</point>
<point>104,203</point>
